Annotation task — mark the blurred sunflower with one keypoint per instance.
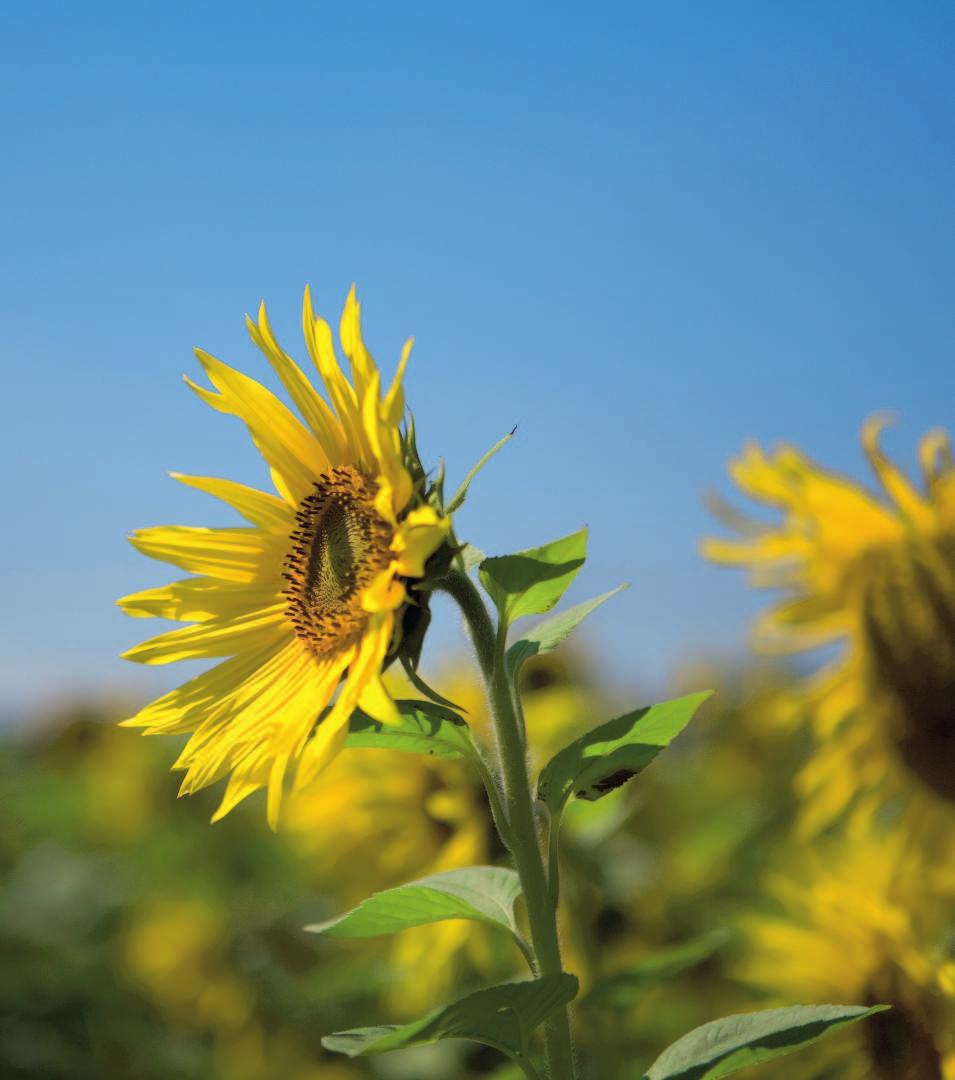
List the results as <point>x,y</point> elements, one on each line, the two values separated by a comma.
<point>865,919</point>
<point>878,574</point>
<point>314,593</point>
<point>176,950</point>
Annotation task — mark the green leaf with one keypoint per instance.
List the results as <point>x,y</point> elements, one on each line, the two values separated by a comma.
<point>469,556</point>
<point>622,988</point>
<point>499,1016</point>
<point>725,1046</point>
<point>423,728</point>
<point>531,582</point>
<point>607,757</point>
<point>462,493</point>
<point>548,634</point>
<point>482,893</point>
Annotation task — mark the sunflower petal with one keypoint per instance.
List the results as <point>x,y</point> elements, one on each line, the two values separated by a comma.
<point>418,537</point>
<point>257,507</point>
<point>196,599</point>
<point>283,441</point>
<point>892,479</point>
<point>230,554</point>
<point>323,746</point>
<point>308,401</point>
<point>214,638</point>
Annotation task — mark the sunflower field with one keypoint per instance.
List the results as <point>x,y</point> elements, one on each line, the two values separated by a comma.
<point>377,880</point>
<point>564,693</point>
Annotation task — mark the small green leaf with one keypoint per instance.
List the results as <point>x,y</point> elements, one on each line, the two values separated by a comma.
<point>423,728</point>
<point>607,757</point>
<point>462,493</point>
<point>482,893</point>
<point>725,1046</point>
<point>622,988</point>
<point>548,634</point>
<point>500,1016</point>
<point>531,582</point>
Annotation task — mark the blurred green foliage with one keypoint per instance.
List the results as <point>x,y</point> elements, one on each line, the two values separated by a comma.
<point>139,941</point>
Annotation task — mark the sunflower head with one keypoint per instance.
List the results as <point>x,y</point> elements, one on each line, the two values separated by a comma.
<point>875,573</point>
<point>863,919</point>
<point>326,585</point>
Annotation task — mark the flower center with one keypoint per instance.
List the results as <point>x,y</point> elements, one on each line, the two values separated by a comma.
<point>340,546</point>
<point>900,1042</point>
<point>907,610</point>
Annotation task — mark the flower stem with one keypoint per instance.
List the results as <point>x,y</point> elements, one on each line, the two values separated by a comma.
<point>525,845</point>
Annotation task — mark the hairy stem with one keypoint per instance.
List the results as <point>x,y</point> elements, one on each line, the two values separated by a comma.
<point>524,840</point>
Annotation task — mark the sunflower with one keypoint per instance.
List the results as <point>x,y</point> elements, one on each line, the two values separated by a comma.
<point>312,597</point>
<point>878,575</point>
<point>865,919</point>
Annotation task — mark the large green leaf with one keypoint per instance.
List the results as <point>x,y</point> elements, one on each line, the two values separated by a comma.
<point>499,1016</point>
<point>603,759</point>
<point>725,1046</point>
<point>423,728</point>
<point>622,988</point>
<point>531,582</point>
<point>483,893</point>
<point>547,635</point>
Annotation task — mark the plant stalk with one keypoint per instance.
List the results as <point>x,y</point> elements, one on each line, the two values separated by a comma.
<point>525,843</point>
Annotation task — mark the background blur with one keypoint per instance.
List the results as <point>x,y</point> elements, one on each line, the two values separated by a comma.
<point>644,235</point>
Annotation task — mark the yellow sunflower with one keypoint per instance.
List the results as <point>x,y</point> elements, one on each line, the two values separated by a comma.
<point>865,920</point>
<point>878,574</point>
<point>311,597</point>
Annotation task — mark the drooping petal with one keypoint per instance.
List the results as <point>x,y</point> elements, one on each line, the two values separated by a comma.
<point>181,709</point>
<point>321,748</point>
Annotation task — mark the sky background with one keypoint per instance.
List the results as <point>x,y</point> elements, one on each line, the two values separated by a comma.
<point>643,233</point>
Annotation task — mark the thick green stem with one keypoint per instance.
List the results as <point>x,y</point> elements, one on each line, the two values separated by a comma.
<point>519,809</point>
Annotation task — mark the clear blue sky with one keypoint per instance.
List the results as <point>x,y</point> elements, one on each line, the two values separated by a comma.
<point>643,233</point>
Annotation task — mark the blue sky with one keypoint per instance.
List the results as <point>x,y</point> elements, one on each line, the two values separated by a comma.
<point>644,234</point>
